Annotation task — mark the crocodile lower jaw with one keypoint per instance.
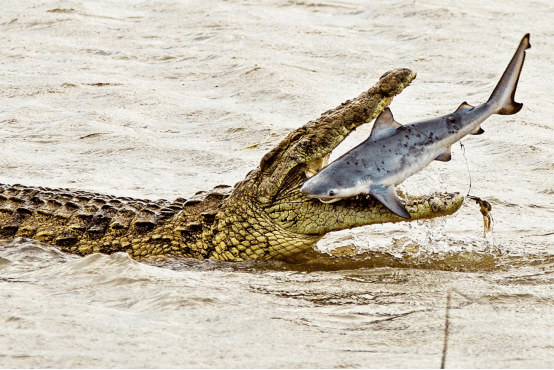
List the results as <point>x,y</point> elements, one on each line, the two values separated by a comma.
<point>440,203</point>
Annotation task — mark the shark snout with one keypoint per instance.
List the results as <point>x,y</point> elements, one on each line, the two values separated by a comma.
<point>306,189</point>
<point>314,189</point>
<point>320,190</point>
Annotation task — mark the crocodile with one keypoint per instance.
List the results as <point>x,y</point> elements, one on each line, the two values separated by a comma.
<point>263,216</point>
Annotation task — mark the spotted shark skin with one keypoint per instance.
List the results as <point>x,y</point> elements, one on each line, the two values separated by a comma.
<point>394,152</point>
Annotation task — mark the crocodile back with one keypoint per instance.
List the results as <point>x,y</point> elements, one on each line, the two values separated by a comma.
<point>63,217</point>
<point>82,222</point>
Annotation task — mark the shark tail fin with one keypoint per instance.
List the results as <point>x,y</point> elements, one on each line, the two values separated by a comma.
<point>504,93</point>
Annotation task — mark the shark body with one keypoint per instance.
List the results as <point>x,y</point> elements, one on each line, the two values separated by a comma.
<point>394,152</point>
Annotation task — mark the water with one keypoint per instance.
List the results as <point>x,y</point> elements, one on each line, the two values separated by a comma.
<point>160,100</point>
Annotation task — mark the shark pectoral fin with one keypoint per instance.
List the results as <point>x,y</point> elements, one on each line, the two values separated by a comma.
<point>445,156</point>
<point>387,196</point>
<point>465,106</point>
<point>478,131</point>
<point>384,126</point>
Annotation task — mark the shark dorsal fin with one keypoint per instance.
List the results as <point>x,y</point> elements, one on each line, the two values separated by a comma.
<point>465,106</point>
<point>384,126</point>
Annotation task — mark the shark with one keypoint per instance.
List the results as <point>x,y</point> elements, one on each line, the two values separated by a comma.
<point>394,152</point>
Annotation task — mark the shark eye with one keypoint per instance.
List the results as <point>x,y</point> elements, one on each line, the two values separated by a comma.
<point>331,193</point>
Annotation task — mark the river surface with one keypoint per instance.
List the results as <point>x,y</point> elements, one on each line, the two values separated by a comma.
<point>160,99</point>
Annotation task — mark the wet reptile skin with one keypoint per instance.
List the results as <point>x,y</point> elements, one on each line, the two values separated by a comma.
<point>262,217</point>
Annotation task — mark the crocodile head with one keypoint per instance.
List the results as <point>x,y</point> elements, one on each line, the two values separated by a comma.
<point>274,212</point>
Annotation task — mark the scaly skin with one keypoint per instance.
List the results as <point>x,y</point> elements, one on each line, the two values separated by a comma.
<point>263,217</point>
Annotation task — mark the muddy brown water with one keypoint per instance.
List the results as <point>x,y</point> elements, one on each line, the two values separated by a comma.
<point>162,99</point>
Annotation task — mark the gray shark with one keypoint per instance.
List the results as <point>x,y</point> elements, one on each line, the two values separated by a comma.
<point>394,152</point>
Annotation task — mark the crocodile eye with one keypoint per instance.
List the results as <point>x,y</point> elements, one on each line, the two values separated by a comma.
<point>451,119</point>
<point>331,193</point>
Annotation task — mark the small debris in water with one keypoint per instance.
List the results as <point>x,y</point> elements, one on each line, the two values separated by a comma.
<point>251,146</point>
<point>485,211</point>
<point>485,206</point>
